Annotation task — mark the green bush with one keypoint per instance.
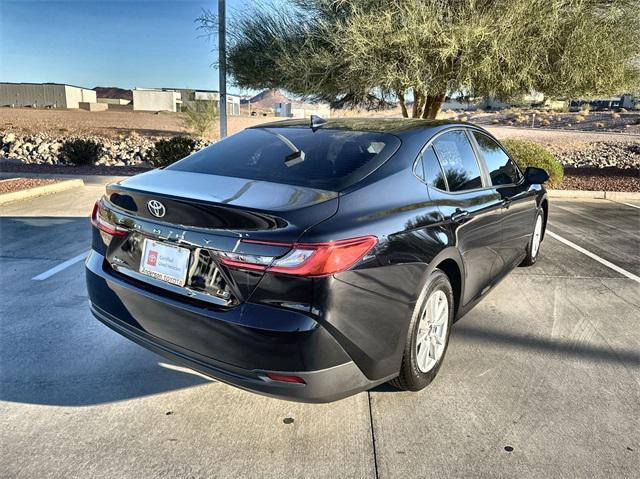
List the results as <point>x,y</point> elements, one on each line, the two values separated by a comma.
<point>199,116</point>
<point>81,152</point>
<point>527,153</point>
<point>167,151</point>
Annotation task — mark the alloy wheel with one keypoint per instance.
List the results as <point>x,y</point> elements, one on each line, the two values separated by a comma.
<point>432,331</point>
<point>537,236</point>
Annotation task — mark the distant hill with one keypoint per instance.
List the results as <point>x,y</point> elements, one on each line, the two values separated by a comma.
<point>113,92</point>
<point>267,98</point>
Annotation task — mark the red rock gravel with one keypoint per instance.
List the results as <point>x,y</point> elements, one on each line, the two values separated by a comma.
<point>17,184</point>
<point>71,170</point>
<point>606,179</point>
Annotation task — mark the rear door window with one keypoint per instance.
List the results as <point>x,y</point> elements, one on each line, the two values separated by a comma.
<point>458,161</point>
<point>333,159</point>
<point>502,169</point>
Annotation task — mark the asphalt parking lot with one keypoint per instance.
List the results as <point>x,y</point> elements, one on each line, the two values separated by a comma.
<point>542,378</point>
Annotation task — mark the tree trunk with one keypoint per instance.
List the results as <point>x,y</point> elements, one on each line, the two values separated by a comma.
<point>417,98</point>
<point>420,106</point>
<point>433,104</point>
<point>428,104</point>
<point>403,105</point>
<point>437,104</point>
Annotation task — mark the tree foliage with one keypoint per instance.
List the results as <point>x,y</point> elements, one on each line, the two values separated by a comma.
<point>368,52</point>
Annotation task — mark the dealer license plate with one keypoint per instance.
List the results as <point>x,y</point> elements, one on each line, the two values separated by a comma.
<point>164,262</point>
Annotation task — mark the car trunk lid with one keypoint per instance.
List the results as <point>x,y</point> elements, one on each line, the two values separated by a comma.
<point>208,215</point>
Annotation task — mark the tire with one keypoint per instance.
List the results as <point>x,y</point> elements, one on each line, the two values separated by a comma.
<point>533,248</point>
<point>418,372</point>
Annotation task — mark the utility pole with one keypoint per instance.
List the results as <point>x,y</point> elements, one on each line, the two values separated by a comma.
<point>222,67</point>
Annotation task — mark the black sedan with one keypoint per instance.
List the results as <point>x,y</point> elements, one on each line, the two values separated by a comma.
<point>312,260</point>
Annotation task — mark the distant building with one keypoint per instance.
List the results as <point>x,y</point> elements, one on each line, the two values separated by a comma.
<point>41,95</point>
<point>154,99</point>
<point>301,110</point>
<point>190,96</point>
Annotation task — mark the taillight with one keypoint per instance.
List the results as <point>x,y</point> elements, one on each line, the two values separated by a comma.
<point>306,259</point>
<point>99,222</point>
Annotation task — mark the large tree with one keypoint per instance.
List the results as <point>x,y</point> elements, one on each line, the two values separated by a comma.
<point>368,52</point>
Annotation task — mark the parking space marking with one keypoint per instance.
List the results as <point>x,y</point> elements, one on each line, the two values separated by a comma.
<point>628,204</point>
<point>60,267</point>
<point>591,255</point>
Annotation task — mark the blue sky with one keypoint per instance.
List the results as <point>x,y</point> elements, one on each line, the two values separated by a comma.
<point>140,43</point>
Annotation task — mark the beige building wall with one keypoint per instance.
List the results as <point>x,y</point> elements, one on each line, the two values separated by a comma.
<point>155,100</point>
<point>75,95</point>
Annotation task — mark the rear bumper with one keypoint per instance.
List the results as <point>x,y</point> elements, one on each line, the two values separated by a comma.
<point>229,345</point>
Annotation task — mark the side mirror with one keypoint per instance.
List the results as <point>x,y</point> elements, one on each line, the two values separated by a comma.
<point>535,176</point>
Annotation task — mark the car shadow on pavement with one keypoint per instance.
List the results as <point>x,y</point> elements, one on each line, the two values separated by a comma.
<point>52,350</point>
<point>106,375</point>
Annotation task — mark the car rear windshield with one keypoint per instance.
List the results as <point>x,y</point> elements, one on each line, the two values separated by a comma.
<point>333,159</point>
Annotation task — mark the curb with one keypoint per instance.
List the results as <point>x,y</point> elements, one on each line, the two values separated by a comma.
<point>597,195</point>
<point>39,191</point>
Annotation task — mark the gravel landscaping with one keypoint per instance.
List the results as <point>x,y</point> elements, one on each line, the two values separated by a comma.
<point>594,179</point>
<point>17,184</point>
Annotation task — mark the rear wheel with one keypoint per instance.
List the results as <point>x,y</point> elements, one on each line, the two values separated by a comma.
<point>533,248</point>
<point>428,335</point>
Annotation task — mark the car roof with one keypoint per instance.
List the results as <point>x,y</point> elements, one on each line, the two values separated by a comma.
<point>381,125</point>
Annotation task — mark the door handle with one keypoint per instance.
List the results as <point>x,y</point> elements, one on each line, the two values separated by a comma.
<point>459,216</point>
<point>506,203</point>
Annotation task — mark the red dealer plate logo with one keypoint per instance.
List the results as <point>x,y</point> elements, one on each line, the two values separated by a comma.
<point>152,259</point>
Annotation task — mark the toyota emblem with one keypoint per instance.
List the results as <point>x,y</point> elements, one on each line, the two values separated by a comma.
<point>156,208</point>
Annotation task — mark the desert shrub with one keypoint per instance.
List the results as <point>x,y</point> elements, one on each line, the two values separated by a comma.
<point>81,152</point>
<point>200,117</point>
<point>527,153</point>
<point>615,116</point>
<point>545,122</point>
<point>579,118</point>
<point>170,150</point>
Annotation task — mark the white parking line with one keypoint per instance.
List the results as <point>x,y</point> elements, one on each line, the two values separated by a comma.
<point>60,267</point>
<point>591,255</point>
<point>628,204</point>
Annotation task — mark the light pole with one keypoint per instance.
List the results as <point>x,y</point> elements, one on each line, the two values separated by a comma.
<point>222,67</point>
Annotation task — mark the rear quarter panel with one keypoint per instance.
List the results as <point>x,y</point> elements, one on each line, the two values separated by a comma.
<point>368,308</point>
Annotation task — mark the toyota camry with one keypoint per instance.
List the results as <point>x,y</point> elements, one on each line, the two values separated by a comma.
<point>310,260</point>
